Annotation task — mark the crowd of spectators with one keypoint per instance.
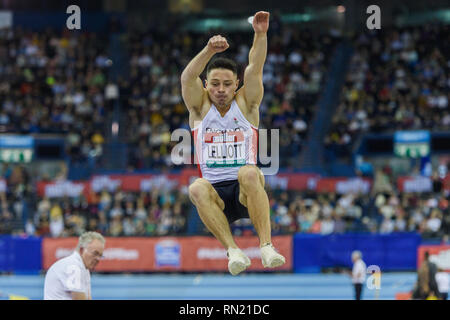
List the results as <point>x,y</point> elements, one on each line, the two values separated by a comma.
<point>54,83</point>
<point>294,72</point>
<point>117,213</point>
<point>57,82</point>
<point>383,210</point>
<point>15,191</point>
<point>163,212</point>
<point>398,79</point>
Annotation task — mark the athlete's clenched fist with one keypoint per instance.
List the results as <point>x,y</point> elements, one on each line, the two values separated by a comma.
<point>218,44</point>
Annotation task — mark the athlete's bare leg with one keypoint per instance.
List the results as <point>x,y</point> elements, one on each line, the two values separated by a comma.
<point>254,197</point>
<point>210,209</point>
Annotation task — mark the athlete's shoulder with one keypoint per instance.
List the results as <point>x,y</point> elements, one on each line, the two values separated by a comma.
<point>251,114</point>
<point>240,99</point>
<point>197,115</point>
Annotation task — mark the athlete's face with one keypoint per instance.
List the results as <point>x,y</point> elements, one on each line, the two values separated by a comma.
<point>221,85</point>
<point>92,254</point>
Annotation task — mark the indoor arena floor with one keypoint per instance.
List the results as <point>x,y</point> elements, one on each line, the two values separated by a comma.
<point>250,286</point>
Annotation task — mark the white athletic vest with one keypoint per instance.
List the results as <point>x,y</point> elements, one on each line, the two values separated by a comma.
<point>223,145</point>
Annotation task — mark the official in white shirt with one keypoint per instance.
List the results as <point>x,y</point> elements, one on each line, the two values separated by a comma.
<point>443,283</point>
<point>358,273</point>
<point>69,278</point>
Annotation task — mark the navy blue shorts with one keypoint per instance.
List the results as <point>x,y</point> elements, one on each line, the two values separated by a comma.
<point>229,192</point>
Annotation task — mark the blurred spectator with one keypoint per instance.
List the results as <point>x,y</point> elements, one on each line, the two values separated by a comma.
<point>443,283</point>
<point>56,221</point>
<point>381,183</point>
<point>358,273</point>
<point>426,280</point>
<point>327,226</point>
<point>116,227</point>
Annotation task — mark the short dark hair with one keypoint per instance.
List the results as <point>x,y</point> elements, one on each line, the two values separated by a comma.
<point>222,63</point>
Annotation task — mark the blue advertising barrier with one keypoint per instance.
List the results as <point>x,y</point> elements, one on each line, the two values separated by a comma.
<point>4,253</point>
<point>391,252</point>
<point>20,254</point>
<point>311,252</point>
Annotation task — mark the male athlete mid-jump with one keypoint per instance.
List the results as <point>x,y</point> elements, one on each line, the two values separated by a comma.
<point>224,124</point>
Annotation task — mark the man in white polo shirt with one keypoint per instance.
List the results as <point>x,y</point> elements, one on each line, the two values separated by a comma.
<point>69,278</point>
<point>443,283</point>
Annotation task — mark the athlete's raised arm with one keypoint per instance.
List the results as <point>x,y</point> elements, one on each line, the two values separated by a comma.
<point>253,84</point>
<point>191,85</point>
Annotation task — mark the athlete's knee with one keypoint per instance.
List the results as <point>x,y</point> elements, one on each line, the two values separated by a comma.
<point>249,176</point>
<point>199,190</point>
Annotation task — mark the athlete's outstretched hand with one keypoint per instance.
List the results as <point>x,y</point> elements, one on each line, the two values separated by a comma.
<point>261,22</point>
<point>218,44</point>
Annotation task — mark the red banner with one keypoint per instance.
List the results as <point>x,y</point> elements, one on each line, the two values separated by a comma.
<point>420,184</point>
<point>439,254</point>
<point>344,185</point>
<point>207,254</point>
<point>292,181</point>
<point>446,182</point>
<point>133,183</point>
<point>59,189</point>
<point>198,253</point>
<point>414,184</point>
<point>146,182</point>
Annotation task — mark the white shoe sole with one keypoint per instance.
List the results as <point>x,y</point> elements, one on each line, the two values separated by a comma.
<point>276,262</point>
<point>236,267</point>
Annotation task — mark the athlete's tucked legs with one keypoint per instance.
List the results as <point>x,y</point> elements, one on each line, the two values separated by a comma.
<point>210,209</point>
